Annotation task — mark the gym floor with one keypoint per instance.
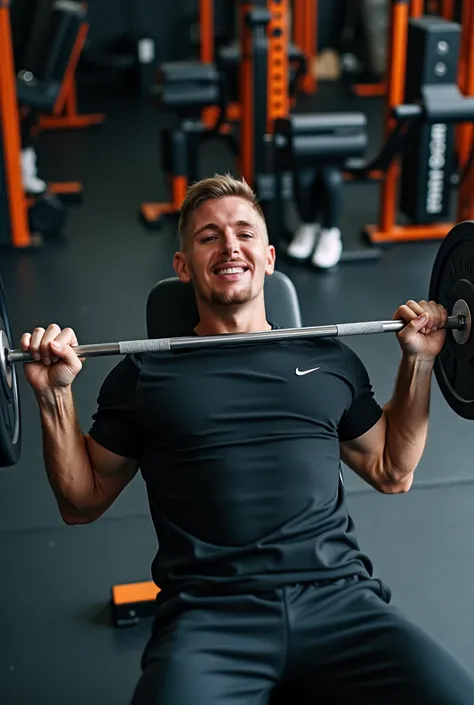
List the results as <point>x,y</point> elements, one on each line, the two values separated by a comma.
<point>58,645</point>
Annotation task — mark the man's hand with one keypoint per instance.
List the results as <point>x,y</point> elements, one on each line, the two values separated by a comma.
<point>424,335</point>
<point>57,365</point>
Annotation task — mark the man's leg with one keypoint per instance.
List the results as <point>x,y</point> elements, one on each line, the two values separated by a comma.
<point>352,647</point>
<point>306,199</point>
<point>227,650</point>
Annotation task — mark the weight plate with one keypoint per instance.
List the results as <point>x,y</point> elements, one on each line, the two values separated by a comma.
<point>47,214</point>
<point>10,422</point>
<point>452,280</point>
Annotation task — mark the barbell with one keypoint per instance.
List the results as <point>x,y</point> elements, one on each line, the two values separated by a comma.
<point>451,285</point>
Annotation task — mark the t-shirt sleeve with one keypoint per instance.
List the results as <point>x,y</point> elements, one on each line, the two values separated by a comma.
<point>114,423</point>
<point>364,411</point>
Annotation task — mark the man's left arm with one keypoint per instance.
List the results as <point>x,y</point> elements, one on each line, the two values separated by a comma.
<point>386,456</point>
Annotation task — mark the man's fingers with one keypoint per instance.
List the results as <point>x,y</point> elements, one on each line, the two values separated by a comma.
<point>51,345</point>
<point>415,306</point>
<point>35,342</point>
<point>67,337</point>
<point>436,314</point>
<point>49,335</point>
<point>25,342</point>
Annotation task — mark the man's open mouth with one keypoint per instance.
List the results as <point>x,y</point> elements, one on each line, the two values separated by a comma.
<point>230,272</point>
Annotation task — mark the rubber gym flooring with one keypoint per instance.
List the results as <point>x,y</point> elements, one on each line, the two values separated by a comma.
<point>57,644</point>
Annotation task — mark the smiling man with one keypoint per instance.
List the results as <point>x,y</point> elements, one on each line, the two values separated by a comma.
<point>262,580</point>
<point>225,253</point>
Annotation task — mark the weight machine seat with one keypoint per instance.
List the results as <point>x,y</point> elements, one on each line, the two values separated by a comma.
<point>171,309</point>
<point>313,139</point>
<point>187,72</point>
<point>39,85</point>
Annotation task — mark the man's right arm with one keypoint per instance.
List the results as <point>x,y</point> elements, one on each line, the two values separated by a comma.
<point>86,478</point>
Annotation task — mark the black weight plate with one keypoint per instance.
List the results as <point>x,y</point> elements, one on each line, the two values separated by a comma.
<point>47,214</point>
<point>452,276</point>
<point>10,422</point>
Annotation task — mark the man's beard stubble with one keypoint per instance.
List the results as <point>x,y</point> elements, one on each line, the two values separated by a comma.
<point>221,298</point>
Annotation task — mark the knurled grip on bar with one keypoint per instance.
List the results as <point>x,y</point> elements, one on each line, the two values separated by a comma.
<point>363,328</point>
<point>131,347</point>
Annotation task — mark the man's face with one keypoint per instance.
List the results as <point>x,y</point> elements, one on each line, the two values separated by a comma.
<point>226,254</point>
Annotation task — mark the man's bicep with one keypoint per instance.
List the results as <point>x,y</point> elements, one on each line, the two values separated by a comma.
<point>112,472</point>
<point>365,453</point>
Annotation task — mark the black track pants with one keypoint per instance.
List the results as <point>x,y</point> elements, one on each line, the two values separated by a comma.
<point>337,644</point>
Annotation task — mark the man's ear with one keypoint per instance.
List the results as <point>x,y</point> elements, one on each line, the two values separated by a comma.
<point>181,267</point>
<point>271,257</point>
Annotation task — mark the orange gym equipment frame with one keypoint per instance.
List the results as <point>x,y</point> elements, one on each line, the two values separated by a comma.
<point>9,125</point>
<point>387,230</point>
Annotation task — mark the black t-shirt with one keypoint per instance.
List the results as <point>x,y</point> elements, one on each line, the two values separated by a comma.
<point>239,450</point>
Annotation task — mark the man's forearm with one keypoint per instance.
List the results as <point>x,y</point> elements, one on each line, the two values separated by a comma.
<point>407,416</point>
<point>66,458</point>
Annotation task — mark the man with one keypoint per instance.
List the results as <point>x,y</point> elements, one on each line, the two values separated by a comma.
<point>262,580</point>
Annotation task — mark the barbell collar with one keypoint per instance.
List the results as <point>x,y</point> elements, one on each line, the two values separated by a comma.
<point>131,347</point>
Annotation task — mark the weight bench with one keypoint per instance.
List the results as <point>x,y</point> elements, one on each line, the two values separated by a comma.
<point>171,312</point>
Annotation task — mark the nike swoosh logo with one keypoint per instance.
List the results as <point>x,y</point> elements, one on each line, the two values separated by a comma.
<point>301,373</point>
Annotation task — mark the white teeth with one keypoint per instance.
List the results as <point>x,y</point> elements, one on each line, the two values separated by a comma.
<point>234,270</point>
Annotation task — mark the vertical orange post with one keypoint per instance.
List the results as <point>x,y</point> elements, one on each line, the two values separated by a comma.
<point>298,21</point>
<point>395,96</point>
<point>466,131</point>
<point>9,122</point>
<point>246,93</point>
<point>305,36</point>
<point>447,9</point>
<point>309,82</point>
<point>206,24</point>
<point>278,100</point>
<point>206,52</point>
<point>417,8</point>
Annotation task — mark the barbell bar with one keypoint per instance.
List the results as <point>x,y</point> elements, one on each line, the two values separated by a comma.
<point>451,284</point>
<point>131,347</point>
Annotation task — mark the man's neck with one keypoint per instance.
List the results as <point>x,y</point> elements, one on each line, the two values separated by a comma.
<point>238,320</point>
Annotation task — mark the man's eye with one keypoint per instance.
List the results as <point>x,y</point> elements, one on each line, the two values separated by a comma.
<point>246,234</point>
<point>208,238</point>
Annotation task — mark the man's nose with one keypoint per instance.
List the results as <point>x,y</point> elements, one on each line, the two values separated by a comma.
<point>229,242</point>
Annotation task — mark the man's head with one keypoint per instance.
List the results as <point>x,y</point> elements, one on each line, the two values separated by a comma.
<point>224,247</point>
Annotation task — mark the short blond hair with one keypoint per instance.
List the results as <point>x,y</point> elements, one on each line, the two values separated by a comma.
<point>217,186</point>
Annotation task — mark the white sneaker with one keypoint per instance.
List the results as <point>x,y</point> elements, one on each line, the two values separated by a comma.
<point>31,183</point>
<point>329,249</point>
<point>303,241</point>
